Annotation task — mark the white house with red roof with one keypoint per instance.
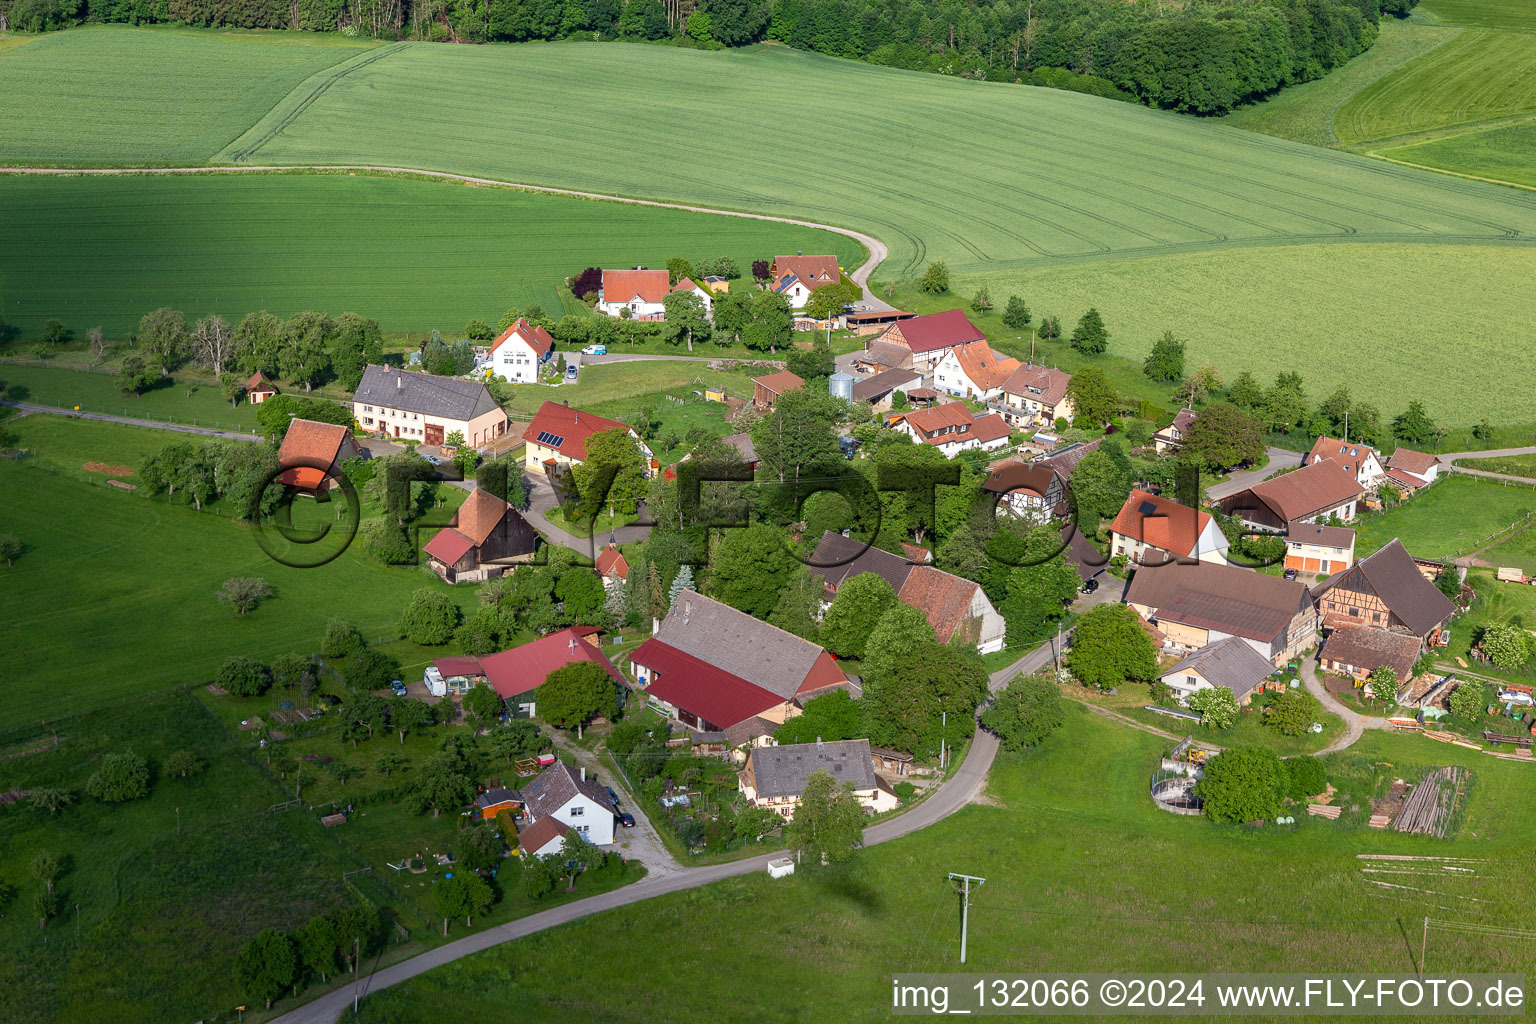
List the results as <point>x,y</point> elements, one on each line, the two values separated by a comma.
<point>612,566</point>
<point>558,437</point>
<point>642,292</point>
<point>929,337</point>
<point>1151,530</point>
<point>1413,469</point>
<point>518,673</point>
<point>952,429</point>
<point>258,389</point>
<point>520,351</point>
<point>796,277</point>
<point>1360,459</point>
<point>973,370</point>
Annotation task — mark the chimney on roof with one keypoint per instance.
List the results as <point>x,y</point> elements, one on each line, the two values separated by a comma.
<point>687,609</point>
<point>567,403</point>
<point>399,382</point>
<point>799,252</point>
<point>583,774</point>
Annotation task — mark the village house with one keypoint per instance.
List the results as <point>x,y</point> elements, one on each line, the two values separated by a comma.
<point>774,777</point>
<point>796,277</point>
<point>557,437</point>
<point>1171,437</point>
<point>716,284</point>
<point>456,675</point>
<point>973,370</point>
<point>838,559</point>
<point>712,667</point>
<point>542,838</point>
<point>929,337</point>
<point>1031,491</point>
<point>493,801</point>
<point>520,351</point>
<point>1361,460</point>
<point>1319,549</point>
<point>424,408</point>
<point>258,389</point>
<point>485,538</point>
<point>952,429</point>
<point>517,674</point>
<point>571,798</point>
<point>311,452</point>
<point>879,356</point>
<point>767,389</point>
<point>1151,523</point>
<point>642,292</point>
<point>1231,663</point>
<point>1317,491</point>
<point>880,389</point>
<point>1035,395</point>
<point>1357,651</point>
<point>1419,468</point>
<point>1384,591</point>
<point>1194,605</point>
<point>954,607</point>
<point>612,566</point>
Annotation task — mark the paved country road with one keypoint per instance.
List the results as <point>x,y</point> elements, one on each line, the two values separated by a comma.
<point>1279,459</point>
<point>877,249</point>
<point>180,428</point>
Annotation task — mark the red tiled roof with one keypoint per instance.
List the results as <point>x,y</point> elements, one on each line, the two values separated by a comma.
<point>480,514</point>
<point>611,562</point>
<point>813,271</point>
<point>573,426</point>
<point>259,383</point>
<point>1166,525</point>
<point>985,368</point>
<point>457,665</point>
<point>525,668</point>
<point>1410,461</point>
<point>1045,385</point>
<point>937,417</point>
<point>541,833</point>
<point>623,285</point>
<point>309,448</point>
<point>448,546</point>
<point>939,330</point>
<point>686,284</point>
<point>1315,487</point>
<point>532,335</point>
<point>990,428</point>
<point>943,598</point>
<point>780,382</point>
<point>1012,475</point>
<point>700,688</point>
<point>1406,479</point>
<point>1347,454</point>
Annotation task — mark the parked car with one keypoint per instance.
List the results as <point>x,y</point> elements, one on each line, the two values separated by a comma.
<point>1090,584</point>
<point>611,795</point>
<point>595,350</point>
<point>432,459</point>
<point>570,372</point>
<point>1290,574</point>
<point>398,687</point>
<point>627,820</point>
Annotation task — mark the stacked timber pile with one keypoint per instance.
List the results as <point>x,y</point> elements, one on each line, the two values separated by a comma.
<point>1380,821</point>
<point>1430,806</point>
<point>1324,811</point>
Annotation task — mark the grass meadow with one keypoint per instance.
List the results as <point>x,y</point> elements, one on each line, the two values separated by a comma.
<point>1083,874</point>
<point>1481,75</point>
<point>1503,153</point>
<point>414,254</point>
<point>1514,465</point>
<point>163,95</point>
<point>1507,14</point>
<point>1449,519</point>
<point>114,595</point>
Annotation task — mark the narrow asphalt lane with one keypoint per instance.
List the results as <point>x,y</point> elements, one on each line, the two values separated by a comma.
<point>1279,459</point>
<point>179,428</point>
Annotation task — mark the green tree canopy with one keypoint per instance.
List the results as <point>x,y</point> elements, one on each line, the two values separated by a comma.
<point>612,475</point>
<point>1414,427</point>
<point>577,693</point>
<point>828,823</point>
<point>1094,401</point>
<point>1016,314</point>
<point>900,631</point>
<point>855,611</point>
<point>1090,337</point>
<point>749,569</point>
<point>1242,784</point>
<point>1166,360</point>
<point>1110,646</point>
<point>430,617</point>
<point>243,677</point>
<point>1027,711</point>
<point>267,966</point>
<point>832,716</point>
<point>935,279</point>
<point>1216,705</point>
<point>1292,712</point>
<point>1222,437</point>
<point>1506,645</point>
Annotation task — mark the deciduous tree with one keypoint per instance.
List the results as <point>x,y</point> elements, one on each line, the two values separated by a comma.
<point>213,343</point>
<point>935,279</point>
<point>120,777</point>
<point>1094,401</point>
<point>1027,711</point>
<point>828,823</point>
<point>1016,314</point>
<point>1293,712</point>
<point>577,693</point>
<point>856,610</point>
<point>685,312</point>
<point>1090,337</point>
<point>1166,360</point>
<point>1110,646</point>
<point>268,965</point>
<point>1216,706</point>
<point>1242,784</point>
<point>163,337</point>
<point>749,568</point>
<point>1222,437</point>
<point>430,617</point>
<point>1507,646</point>
<point>243,593</point>
<point>243,677</point>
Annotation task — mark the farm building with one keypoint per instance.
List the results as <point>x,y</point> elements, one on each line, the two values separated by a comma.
<point>1421,467</point>
<point>1027,490</point>
<point>879,356</point>
<point>1195,605</point>
<point>774,777</point>
<point>869,323</point>
<point>796,277</point>
<point>518,673</point>
<point>1384,591</point>
<point>1319,549</point>
<point>421,407</point>
<point>766,390</point>
<point>456,675</point>
<point>1357,651</point>
<point>258,389</point>
<point>929,337</point>
<point>311,451</point>
<point>954,607</point>
<point>973,370</point>
<point>486,538</point>
<point>493,801</point>
<point>838,559</point>
<point>1171,437</point>
<point>557,437</point>
<point>952,429</point>
<point>521,350</point>
<point>881,388</point>
<point>1315,492</point>
<point>1230,663</point>
<point>1035,395</point>
<point>1151,529</point>
<point>1361,460</point>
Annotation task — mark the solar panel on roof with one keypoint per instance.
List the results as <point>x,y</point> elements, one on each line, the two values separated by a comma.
<point>1147,509</point>
<point>552,440</point>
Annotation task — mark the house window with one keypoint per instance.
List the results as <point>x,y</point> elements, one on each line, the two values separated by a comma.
<point>1355,612</point>
<point>577,812</point>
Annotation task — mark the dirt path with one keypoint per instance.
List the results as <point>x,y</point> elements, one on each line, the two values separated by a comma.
<point>878,251</point>
<point>1355,723</point>
<point>179,428</point>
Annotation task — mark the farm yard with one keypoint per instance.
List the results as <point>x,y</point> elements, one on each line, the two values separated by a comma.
<point>414,254</point>
<point>1198,893</point>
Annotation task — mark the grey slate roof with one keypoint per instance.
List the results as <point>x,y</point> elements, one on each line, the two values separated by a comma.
<point>1394,576</point>
<point>496,796</point>
<point>743,444</point>
<point>734,641</point>
<point>886,353</point>
<point>1327,536</point>
<point>838,558</point>
<point>557,786</point>
<point>875,387</point>
<point>424,394</point>
<point>1230,663</point>
<point>783,770</point>
<point>1066,460</point>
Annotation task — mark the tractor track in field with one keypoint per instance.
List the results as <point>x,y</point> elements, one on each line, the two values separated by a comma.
<point>876,249</point>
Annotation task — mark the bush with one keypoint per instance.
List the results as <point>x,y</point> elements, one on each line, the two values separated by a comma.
<point>1242,784</point>
<point>121,777</point>
<point>1293,712</point>
<point>243,677</point>
<point>183,763</point>
<point>341,639</point>
<point>430,618</point>
<point>1305,777</point>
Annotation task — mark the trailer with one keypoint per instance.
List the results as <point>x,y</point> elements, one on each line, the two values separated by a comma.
<point>1510,574</point>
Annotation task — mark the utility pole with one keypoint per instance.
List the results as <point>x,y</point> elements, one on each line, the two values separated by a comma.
<point>943,738</point>
<point>965,903</point>
<point>1346,426</point>
<point>357,947</point>
<point>1423,947</point>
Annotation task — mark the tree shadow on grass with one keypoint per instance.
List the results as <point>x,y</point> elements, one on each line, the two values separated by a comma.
<point>847,883</point>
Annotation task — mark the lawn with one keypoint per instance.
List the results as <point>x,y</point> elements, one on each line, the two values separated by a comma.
<point>114,595</point>
<point>616,386</point>
<point>184,877</point>
<point>1495,602</point>
<point>1514,465</point>
<point>181,401</point>
<point>1509,14</point>
<point>1502,153</point>
<point>1481,75</point>
<point>1083,874</point>
<point>1304,113</point>
<point>163,95</point>
<point>1450,518</point>
<point>66,444</point>
<point>412,253</point>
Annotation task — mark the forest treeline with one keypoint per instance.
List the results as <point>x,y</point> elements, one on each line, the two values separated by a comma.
<point>1195,56</point>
